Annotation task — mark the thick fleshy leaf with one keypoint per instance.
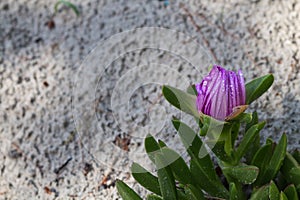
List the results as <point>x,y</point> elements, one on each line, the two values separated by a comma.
<point>291,170</point>
<point>294,175</point>
<point>221,143</point>
<point>203,166</point>
<point>228,146</point>
<point>178,166</point>
<point>245,174</point>
<point>291,192</point>
<point>193,144</point>
<point>289,163</point>
<point>283,196</point>
<point>296,155</point>
<point>192,90</point>
<point>240,116</point>
<point>261,159</point>
<point>281,182</point>
<point>153,197</point>
<point>252,150</point>
<point>276,159</point>
<point>200,175</point>
<point>235,129</point>
<point>234,194</point>
<point>161,144</point>
<point>165,178</point>
<point>254,120</point>
<point>248,139</point>
<point>126,192</point>
<point>210,125</point>
<point>145,178</point>
<point>262,156</point>
<point>181,194</point>
<point>189,138</point>
<point>255,145</point>
<point>193,193</point>
<point>261,193</point>
<point>269,141</point>
<point>219,150</point>
<point>273,191</point>
<point>258,86</point>
<point>152,147</point>
<point>181,100</point>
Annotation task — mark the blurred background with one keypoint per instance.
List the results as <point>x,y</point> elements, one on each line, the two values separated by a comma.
<point>42,155</point>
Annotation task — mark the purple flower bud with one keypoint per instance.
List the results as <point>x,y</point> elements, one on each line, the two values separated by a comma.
<point>220,92</point>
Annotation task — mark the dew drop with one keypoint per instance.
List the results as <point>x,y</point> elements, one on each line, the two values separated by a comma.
<point>208,78</point>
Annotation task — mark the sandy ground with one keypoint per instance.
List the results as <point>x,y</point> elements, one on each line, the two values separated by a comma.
<point>73,119</point>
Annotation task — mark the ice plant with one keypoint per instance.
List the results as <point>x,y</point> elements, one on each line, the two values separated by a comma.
<point>220,92</point>
<point>247,169</point>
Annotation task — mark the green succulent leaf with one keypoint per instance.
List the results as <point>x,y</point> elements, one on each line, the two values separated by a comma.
<point>269,141</point>
<point>261,193</point>
<point>273,191</point>
<point>152,147</point>
<point>145,178</point>
<point>228,145</point>
<point>234,194</point>
<point>203,178</point>
<point>219,150</point>
<point>296,155</point>
<point>192,90</point>
<point>261,159</point>
<point>235,129</point>
<point>197,152</point>
<point>210,125</point>
<point>178,166</point>
<point>258,86</point>
<point>276,160</point>
<point>253,121</point>
<point>193,193</point>
<point>291,171</point>
<point>222,143</point>
<point>181,100</point>
<point>281,182</point>
<point>153,197</point>
<point>255,144</point>
<point>161,144</point>
<point>243,118</point>
<point>288,163</point>
<point>291,192</point>
<point>262,156</point>
<point>126,192</point>
<point>68,4</point>
<point>244,174</point>
<point>181,194</point>
<point>189,138</point>
<point>248,139</point>
<point>294,175</point>
<point>283,196</point>
<point>165,178</point>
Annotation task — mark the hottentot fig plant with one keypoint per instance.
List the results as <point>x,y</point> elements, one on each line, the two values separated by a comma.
<point>245,168</point>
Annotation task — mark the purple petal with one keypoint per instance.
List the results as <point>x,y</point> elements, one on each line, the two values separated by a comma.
<point>220,92</point>
<point>222,98</point>
<point>233,100</point>
<point>242,88</point>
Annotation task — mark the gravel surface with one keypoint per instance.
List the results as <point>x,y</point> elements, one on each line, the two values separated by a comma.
<point>79,94</point>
